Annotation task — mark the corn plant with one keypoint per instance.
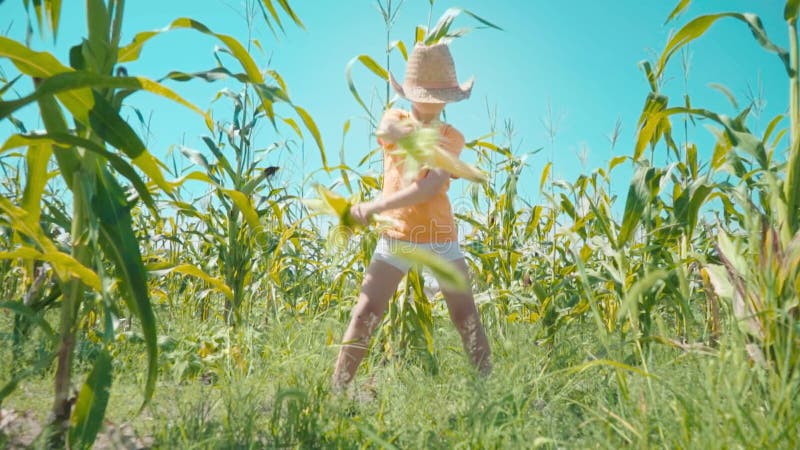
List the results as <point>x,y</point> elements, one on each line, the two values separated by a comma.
<point>235,184</point>
<point>764,202</point>
<point>79,105</point>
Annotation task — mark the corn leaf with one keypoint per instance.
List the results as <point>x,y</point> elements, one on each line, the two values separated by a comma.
<point>76,80</point>
<point>700,25</point>
<point>119,243</point>
<point>442,28</point>
<point>64,142</point>
<point>630,305</point>
<point>545,175</point>
<point>640,193</point>
<point>244,205</point>
<point>348,74</point>
<point>791,10</point>
<point>421,148</point>
<point>90,406</point>
<point>448,275</point>
<point>194,271</point>
<point>682,5</point>
<point>312,128</point>
<point>36,178</point>
<point>35,317</point>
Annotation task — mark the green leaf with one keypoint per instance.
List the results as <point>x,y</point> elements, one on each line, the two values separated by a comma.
<point>49,10</point>
<point>64,265</point>
<point>77,80</point>
<point>132,51</point>
<point>60,140</point>
<point>791,10</point>
<point>651,76</point>
<point>221,158</point>
<point>272,12</point>
<point>630,305</point>
<point>652,123</point>
<point>348,74</point>
<point>771,127</point>
<point>87,106</point>
<point>700,25</point>
<point>120,245</point>
<point>611,363</point>
<point>688,204</point>
<point>43,65</point>
<point>8,85</point>
<point>442,27</point>
<point>45,360</point>
<point>293,124</point>
<point>640,193</point>
<point>373,66</point>
<point>196,157</point>
<point>285,5</point>
<point>54,121</point>
<point>108,125</point>
<point>312,128</point>
<point>35,317</point>
<point>215,74</point>
<point>90,407</point>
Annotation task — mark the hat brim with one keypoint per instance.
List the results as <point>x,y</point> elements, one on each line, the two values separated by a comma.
<point>433,95</point>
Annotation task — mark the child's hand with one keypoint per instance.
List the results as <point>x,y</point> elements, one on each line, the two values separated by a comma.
<point>362,213</point>
<point>395,130</point>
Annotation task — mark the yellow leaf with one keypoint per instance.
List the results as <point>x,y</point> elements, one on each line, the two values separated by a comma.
<point>64,264</point>
<point>189,269</point>
<point>545,175</point>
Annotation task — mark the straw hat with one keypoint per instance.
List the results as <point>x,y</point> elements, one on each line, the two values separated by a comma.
<point>431,77</point>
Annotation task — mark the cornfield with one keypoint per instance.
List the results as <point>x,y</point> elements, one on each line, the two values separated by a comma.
<point>141,310</point>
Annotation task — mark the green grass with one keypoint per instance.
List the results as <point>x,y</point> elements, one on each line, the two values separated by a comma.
<point>267,386</point>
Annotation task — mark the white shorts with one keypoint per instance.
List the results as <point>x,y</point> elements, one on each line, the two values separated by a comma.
<point>387,249</point>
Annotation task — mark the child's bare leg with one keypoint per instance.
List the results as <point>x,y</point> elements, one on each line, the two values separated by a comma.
<point>380,283</point>
<point>465,317</point>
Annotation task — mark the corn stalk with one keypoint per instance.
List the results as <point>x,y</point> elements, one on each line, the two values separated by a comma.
<point>791,188</point>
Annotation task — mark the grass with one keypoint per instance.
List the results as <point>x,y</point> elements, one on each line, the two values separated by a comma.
<point>267,386</point>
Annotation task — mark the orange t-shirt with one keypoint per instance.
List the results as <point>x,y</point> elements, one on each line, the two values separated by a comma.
<point>431,221</point>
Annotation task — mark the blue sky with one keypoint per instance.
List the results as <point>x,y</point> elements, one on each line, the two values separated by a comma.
<point>581,60</point>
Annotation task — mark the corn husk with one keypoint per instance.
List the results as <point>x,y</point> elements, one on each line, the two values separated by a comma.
<point>421,149</point>
<point>332,204</point>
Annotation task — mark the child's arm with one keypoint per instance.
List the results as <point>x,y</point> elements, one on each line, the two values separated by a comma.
<point>417,192</point>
